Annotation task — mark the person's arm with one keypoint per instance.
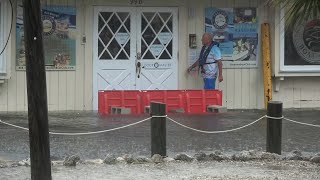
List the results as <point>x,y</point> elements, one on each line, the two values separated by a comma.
<point>220,77</point>
<point>195,64</point>
<point>217,57</point>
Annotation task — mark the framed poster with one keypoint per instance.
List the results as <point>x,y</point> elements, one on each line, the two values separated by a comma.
<point>300,46</point>
<point>59,37</point>
<point>236,30</point>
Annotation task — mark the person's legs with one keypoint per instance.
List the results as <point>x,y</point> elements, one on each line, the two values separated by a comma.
<point>209,83</point>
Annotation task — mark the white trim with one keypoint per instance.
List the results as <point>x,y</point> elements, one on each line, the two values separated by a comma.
<point>96,64</point>
<point>3,66</point>
<point>5,15</point>
<point>290,68</point>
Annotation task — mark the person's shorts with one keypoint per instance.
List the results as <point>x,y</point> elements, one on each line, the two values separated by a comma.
<point>209,83</point>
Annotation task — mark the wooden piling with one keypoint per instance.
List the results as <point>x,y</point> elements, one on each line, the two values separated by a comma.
<point>274,127</point>
<point>158,129</point>
<point>36,91</point>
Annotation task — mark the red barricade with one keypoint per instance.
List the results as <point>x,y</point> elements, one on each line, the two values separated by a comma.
<point>191,101</point>
<point>119,98</point>
<point>198,100</point>
<point>174,99</point>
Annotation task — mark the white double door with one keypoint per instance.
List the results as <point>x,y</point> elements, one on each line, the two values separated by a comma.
<point>134,48</point>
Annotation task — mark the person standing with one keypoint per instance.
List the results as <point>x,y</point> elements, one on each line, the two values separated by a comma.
<point>209,62</point>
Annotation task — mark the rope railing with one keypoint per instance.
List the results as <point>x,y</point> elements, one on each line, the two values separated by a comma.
<point>84,133</point>
<point>307,124</point>
<point>172,120</point>
<point>216,132</point>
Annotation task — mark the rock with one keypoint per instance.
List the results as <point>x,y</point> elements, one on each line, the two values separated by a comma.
<point>183,157</point>
<point>128,158</point>
<point>141,160</point>
<point>3,164</point>
<point>245,156</point>
<point>25,162</point>
<point>201,156</point>
<point>156,158</point>
<point>270,156</point>
<point>294,155</point>
<point>120,160</point>
<point>71,160</point>
<point>168,159</point>
<point>15,164</point>
<point>55,163</point>
<point>94,161</point>
<point>297,152</point>
<point>216,156</point>
<point>110,159</point>
<point>315,159</point>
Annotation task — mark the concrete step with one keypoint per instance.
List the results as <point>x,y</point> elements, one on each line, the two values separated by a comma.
<point>178,110</point>
<point>147,109</point>
<point>216,109</point>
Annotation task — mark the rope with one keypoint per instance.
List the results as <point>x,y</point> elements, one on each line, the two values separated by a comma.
<point>87,133</point>
<point>216,132</point>
<point>160,116</point>
<point>270,117</point>
<point>19,127</point>
<point>165,116</point>
<point>301,123</point>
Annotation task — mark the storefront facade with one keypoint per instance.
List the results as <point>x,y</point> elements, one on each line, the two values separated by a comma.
<point>137,45</point>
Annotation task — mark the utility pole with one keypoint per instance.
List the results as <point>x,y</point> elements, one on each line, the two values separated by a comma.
<point>37,92</point>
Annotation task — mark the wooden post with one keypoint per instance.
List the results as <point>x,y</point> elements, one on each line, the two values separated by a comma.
<point>158,129</point>
<point>266,63</point>
<point>37,92</point>
<point>274,127</point>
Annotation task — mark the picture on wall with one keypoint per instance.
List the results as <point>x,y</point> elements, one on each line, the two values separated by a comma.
<point>236,30</point>
<point>302,47</point>
<point>59,37</point>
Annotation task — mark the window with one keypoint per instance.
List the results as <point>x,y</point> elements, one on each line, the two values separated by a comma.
<point>5,26</point>
<point>300,46</point>
<point>2,64</point>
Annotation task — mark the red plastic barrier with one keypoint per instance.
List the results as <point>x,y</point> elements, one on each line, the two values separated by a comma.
<point>153,95</point>
<point>175,100</point>
<point>119,98</point>
<point>132,100</point>
<point>101,103</point>
<point>198,100</point>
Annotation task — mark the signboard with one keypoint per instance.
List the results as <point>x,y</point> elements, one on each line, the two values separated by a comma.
<point>157,65</point>
<point>156,49</point>
<point>236,30</point>
<point>59,37</point>
<point>164,37</point>
<point>122,38</point>
<point>301,47</point>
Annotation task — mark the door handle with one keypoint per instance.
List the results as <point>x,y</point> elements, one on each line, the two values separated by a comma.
<point>138,69</point>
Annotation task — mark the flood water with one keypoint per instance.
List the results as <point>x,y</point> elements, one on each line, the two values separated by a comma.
<point>135,140</point>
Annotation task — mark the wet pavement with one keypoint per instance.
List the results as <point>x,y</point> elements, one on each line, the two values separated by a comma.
<point>135,140</point>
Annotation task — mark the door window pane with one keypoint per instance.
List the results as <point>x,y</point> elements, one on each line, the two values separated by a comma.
<point>114,35</point>
<point>156,29</point>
